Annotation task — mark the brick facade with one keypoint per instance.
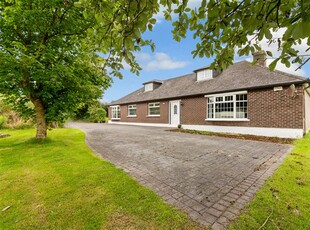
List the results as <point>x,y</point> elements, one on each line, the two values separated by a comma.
<point>194,111</point>
<point>142,113</point>
<point>266,108</point>
<point>276,109</point>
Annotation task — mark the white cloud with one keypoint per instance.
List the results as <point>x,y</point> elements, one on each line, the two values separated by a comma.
<point>156,61</point>
<point>281,67</point>
<point>160,15</point>
<point>292,70</point>
<point>273,47</point>
<point>143,56</point>
<point>126,65</point>
<point>194,4</point>
<point>164,61</point>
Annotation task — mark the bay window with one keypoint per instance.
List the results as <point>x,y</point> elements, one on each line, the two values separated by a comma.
<point>233,106</point>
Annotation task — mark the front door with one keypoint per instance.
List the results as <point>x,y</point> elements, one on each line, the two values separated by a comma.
<point>175,113</point>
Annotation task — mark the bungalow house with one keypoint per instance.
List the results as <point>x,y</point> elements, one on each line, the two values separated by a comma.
<point>244,98</point>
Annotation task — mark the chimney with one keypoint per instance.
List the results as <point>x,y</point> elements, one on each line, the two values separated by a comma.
<point>260,58</point>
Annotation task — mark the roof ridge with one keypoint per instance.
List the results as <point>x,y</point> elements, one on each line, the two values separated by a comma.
<point>186,75</point>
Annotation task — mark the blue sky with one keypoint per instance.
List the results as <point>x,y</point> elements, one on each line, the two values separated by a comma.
<point>171,59</point>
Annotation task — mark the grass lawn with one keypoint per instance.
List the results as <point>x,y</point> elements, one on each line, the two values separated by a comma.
<point>61,184</point>
<point>284,201</point>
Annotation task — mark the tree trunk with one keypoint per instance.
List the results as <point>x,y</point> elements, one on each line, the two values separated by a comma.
<point>40,119</point>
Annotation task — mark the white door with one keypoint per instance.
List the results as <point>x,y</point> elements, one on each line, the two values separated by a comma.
<point>175,112</point>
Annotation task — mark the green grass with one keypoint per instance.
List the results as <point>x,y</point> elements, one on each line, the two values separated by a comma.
<point>284,201</point>
<point>61,184</point>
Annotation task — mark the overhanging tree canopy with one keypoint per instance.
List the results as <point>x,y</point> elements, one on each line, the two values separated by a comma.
<point>226,26</point>
<point>49,51</point>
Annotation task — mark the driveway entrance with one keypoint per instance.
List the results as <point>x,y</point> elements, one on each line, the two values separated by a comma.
<point>211,178</point>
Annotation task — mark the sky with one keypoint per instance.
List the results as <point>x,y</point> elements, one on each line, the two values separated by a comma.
<point>172,59</point>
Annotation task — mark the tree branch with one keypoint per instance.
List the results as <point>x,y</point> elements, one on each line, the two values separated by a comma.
<point>302,64</point>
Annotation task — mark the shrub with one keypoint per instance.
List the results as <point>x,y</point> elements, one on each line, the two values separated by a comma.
<point>3,120</point>
<point>97,114</point>
<point>12,119</point>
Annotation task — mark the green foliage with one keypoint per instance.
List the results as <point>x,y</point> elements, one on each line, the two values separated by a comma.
<point>49,52</point>
<point>222,27</point>
<point>60,183</point>
<point>92,111</point>
<point>3,119</point>
<point>45,59</point>
<point>11,119</point>
<point>118,30</point>
<point>97,114</point>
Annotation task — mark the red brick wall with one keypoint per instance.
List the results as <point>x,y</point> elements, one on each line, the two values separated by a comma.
<point>266,108</point>
<point>276,109</point>
<point>142,113</point>
<point>193,110</point>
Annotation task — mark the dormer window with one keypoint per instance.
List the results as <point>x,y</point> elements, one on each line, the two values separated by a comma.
<point>151,85</point>
<point>204,74</point>
<point>148,87</point>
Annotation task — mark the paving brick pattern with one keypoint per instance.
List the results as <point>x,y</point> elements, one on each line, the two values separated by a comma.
<point>210,178</point>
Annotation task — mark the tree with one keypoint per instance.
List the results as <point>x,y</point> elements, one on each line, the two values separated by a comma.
<point>225,26</point>
<point>50,52</point>
<point>91,111</point>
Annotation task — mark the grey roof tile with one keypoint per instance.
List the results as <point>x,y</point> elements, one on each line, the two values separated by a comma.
<point>239,76</point>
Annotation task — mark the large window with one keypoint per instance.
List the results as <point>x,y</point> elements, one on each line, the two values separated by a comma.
<point>154,109</point>
<point>116,112</point>
<point>132,110</point>
<point>228,107</point>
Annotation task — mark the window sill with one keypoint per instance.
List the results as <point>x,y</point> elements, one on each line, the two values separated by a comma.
<point>113,119</point>
<point>132,116</point>
<point>153,116</point>
<point>218,119</point>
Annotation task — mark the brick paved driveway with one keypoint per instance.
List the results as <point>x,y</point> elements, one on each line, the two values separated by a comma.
<point>211,178</point>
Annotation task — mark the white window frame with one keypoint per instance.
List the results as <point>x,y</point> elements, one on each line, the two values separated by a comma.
<point>115,112</point>
<point>233,94</point>
<point>153,105</point>
<point>148,87</point>
<point>132,107</point>
<point>204,75</point>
